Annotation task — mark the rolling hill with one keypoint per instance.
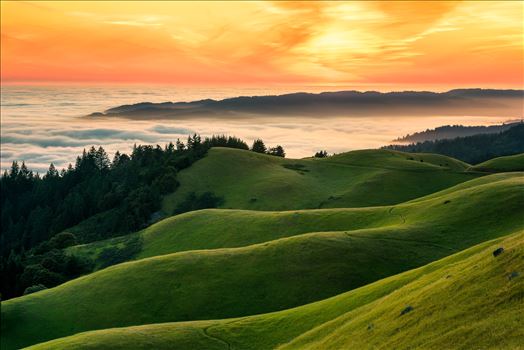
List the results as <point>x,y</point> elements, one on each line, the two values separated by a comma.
<point>501,164</point>
<point>284,270</point>
<point>248,180</point>
<point>418,308</point>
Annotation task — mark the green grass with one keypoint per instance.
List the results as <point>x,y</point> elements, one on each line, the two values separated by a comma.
<point>464,301</point>
<point>248,180</point>
<point>219,228</point>
<point>501,164</point>
<point>274,275</point>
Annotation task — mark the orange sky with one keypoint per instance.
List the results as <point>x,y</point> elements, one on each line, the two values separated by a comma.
<point>446,44</point>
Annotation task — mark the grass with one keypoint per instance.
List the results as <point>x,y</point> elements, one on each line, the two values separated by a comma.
<point>219,228</point>
<point>248,180</point>
<point>464,301</point>
<point>278,274</point>
<point>501,164</point>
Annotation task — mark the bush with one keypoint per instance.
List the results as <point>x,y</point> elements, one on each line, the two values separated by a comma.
<point>196,202</point>
<point>63,240</point>
<point>34,288</point>
<point>116,255</point>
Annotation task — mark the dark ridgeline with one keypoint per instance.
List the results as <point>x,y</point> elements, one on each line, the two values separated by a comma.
<point>352,103</point>
<point>473,149</point>
<point>109,197</point>
<point>452,131</point>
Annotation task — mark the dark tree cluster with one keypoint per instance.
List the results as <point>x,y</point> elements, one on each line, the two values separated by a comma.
<point>108,197</point>
<point>473,149</point>
<point>260,147</point>
<point>321,154</point>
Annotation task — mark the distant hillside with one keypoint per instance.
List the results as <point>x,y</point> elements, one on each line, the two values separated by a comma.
<point>472,149</point>
<point>351,103</point>
<point>453,131</point>
<point>248,180</point>
<point>502,164</point>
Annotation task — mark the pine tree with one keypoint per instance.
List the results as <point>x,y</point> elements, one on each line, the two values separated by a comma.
<point>259,146</point>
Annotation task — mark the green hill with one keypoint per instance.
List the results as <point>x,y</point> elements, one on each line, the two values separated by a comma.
<point>270,276</point>
<point>219,228</point>
<point>470,300</point>
<point>248,180</point>
<point>501,164</point>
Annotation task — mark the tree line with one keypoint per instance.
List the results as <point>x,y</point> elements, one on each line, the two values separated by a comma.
<point>472,149</point>
<point>113,197</point>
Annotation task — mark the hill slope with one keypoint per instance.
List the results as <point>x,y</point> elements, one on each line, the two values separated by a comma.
<point>218,228</point>
<point>484,292</point>
<point>473,149</point>
<point>268,276</point>
<point>501,164</point>
<point>248,180</point>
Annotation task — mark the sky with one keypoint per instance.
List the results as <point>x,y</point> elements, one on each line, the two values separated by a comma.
<point>441,44</point>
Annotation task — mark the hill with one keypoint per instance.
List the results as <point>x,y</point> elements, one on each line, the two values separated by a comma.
<point>270,276</point>
<point>473,149</point>
<point>219,228</point>
<point>453,131</point>
<point>481,102</point>
<point>418,308</point>
<point>501,164</point>
<point>248,180</point>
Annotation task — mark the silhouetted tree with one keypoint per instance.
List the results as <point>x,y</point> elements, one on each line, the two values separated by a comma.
<point>259,146</point>
<point>277,151</point>
<point>321,154</point>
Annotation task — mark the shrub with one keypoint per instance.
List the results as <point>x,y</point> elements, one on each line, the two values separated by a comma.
<point>116,255</point>
<point>34,288</point>
<point>196,202</point>
<point>63,240</point>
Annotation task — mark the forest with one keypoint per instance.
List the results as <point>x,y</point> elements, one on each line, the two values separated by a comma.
<point>113,197</point>
<point>472,149</point>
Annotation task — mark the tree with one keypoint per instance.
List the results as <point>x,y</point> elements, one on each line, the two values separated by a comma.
<point>52,172</point>
<point>259,146</point>
<point>277,151</point>
<point>321,154</point>
<point>63,240</point>
<point>34,288</point>
<point>101,159</point>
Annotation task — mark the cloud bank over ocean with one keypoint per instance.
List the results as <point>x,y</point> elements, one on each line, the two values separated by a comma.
<point>38,127</point>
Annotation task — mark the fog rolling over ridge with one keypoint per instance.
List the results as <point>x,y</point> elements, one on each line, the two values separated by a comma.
<point>460,102</point>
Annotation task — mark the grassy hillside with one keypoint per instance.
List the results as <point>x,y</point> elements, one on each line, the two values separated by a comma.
<point>248,180</point>
<point>502,164</point>
<point>268,276</point>
<point>473,287</point>
<point>218,228</point>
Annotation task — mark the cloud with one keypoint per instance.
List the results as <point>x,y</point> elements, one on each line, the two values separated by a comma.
<point>162,129</point>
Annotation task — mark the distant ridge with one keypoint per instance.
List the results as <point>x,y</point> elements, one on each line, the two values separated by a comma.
<point>348,103</point>
<point>452,131</point>
<point>473,149</point>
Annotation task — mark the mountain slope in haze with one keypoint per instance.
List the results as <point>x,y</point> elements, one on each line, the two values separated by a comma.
<point>269,276</point>
<point>453,131</point>
<point>483,292</point>
<point>248,180</point>
<point>473,149</point>
<point>353,103</point>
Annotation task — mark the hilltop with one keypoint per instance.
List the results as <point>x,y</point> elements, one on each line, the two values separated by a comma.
<point>501,164</point>
<point>248,180</point>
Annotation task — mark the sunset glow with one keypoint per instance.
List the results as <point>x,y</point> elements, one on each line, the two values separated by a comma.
<point>442,44</point>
